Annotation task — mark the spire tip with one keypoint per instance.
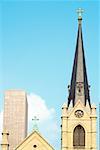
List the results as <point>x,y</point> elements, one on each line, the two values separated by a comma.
<point>79,12</point>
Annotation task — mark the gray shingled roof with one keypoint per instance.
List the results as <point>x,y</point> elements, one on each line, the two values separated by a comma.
<point>79,81</point>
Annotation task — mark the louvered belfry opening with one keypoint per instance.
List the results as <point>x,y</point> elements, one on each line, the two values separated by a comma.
<point>79,137</point>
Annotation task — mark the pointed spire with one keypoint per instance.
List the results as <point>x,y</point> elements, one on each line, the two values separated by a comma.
<point>79,88</point>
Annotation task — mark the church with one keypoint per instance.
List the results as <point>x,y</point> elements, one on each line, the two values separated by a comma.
<point>78,120</point>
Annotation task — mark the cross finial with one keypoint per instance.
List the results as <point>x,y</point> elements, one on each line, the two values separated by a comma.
<point>80,11</point>
<point>35,126</point>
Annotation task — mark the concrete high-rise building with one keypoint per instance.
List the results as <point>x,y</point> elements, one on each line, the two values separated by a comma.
<point>15,116</point>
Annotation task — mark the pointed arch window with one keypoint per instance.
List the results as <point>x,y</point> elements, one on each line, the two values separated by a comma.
<point>79,137</point>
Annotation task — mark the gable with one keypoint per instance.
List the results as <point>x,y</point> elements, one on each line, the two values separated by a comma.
<point>79,106</point>
<point>34,141</point>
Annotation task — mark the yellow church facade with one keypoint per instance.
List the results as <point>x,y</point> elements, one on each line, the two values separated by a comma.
<point>78,118</point>
<point>34,142</point>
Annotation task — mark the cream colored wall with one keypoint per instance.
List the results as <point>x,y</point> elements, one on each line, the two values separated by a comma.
<point>4,147</point>
<point>70,121</point>
<point>5,143</point>
<point>29,145</point>
<point>34,139</point>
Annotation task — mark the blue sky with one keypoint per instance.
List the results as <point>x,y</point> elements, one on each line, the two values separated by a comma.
<point>37,45</point>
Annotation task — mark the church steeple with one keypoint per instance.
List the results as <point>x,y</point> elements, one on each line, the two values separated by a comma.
<point>79,88</point>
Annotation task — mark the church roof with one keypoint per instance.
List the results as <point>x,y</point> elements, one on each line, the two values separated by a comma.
<point>79,88</point>
<point>34,139</point>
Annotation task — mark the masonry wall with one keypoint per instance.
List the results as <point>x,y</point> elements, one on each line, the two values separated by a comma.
<point>70,121</point>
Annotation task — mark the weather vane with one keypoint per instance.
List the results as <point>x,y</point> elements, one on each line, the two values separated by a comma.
<point>35,126</point>
<point>80,12</point>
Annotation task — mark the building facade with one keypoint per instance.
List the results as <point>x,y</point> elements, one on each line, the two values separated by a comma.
<point>78,129</point>
<point>15,116</point>
<point>34,141</point>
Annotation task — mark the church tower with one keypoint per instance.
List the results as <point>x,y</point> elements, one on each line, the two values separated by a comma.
<point>78,129</point>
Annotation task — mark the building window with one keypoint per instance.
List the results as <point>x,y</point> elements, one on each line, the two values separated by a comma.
<point>35,146</point>
<point>79,137</point>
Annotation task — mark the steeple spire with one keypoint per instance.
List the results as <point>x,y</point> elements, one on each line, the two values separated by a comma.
<point>79,88</point>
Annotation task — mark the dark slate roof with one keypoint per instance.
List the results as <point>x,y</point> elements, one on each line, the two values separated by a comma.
<point>79,73</point>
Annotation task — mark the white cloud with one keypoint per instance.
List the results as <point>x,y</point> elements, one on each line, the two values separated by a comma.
<point>47,117</point>
<point>37,107</point>
<point>1,124</point>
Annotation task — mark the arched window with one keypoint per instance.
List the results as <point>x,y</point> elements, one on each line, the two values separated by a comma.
<point>79,137</point>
